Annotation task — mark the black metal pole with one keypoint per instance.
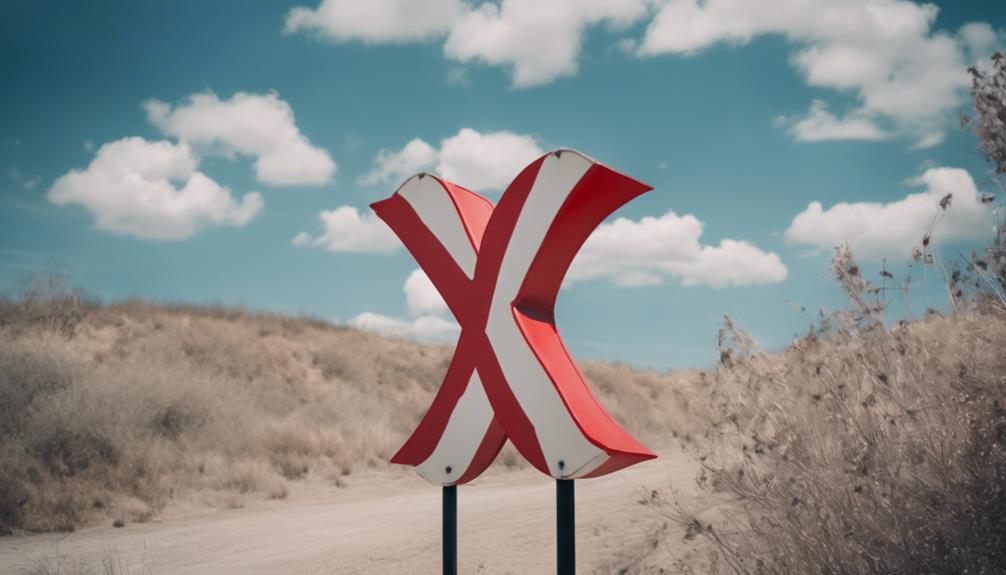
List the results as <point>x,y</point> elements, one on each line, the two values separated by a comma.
<point>450,512</point>
<point>565,526</point>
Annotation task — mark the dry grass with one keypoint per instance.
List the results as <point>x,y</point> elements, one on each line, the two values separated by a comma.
<point>863,448</point>
<point>111,562</point>
<point>107,413</point>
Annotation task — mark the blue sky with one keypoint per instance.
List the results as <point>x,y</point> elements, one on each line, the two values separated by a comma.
<point>174,151</point>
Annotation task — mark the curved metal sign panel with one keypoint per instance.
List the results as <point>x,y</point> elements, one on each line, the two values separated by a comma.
<point>499,269</point>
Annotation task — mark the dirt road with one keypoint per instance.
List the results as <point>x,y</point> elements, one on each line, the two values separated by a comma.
<point>506,525</point>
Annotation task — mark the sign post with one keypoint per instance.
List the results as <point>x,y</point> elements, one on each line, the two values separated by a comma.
<point>565,526</point>
<point>450,517</point>
<point>499,269</point>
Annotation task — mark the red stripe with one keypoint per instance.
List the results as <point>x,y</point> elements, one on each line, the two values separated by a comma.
<point>598,193</point>
<point>593,420</point>
<point>498,232</point>
<point>474,209</point>
<point>449,279</point>
<point>423,441</point>
<point>508,410</point>
<point>490,447</point>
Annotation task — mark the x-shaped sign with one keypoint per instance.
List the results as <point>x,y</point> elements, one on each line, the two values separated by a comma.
<point>499,271</point>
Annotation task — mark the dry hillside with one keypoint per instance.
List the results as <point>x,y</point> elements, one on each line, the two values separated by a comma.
<point>107,413</point>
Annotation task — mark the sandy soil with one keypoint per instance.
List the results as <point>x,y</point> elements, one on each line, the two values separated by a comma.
<point>385,524</point>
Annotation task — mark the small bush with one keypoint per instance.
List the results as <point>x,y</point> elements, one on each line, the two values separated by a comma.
<point>170,421</point>
<point>47,300</point>
<point>29,372</point>
<point>13,497</point>
<point>67,453</point>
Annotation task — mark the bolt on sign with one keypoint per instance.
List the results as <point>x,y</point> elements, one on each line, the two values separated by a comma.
<point>499,269</point>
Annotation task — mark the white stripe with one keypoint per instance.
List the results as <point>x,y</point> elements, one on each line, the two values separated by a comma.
<point>438,213</point>
<point>558,434</point>
<point>461,439</point>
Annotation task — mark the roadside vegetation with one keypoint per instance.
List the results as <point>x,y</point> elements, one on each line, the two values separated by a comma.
<point>869,445</point>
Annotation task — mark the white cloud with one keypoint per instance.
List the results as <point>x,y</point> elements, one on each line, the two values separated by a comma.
<point>344,229</point>
<point>875,230</point>
<point>904,75</point>
<point>425,328</point>
<point>376,20</point>
<point>645,252</point>
<point>538,41</point>
<point>820,124</point>
<point>390,166</point>
<point>429,319</point>
<point>130,188</point>
<point>980,38</point>
<point>929,140</point>
<point>487,161</point>
<point>471,159</point>
<point>422,296</point>
<point>256,125</point>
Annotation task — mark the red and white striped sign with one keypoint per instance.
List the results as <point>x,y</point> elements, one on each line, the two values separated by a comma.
<point>499,269</point>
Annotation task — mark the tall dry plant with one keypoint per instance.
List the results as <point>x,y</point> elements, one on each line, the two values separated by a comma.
<point>47,299</point>
<point>988,90</point>
<point>862,448</point>
<point>868,447</point>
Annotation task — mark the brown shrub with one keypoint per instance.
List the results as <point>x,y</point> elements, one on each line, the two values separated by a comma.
<point>47,300</point>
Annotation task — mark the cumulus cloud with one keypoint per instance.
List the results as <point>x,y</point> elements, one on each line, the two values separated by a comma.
<point>876,230</point>
<point>820,124</point>
<point>392,21</point>
<point>345,229</point>
<point>981,38</point>
<point>645,252</point>
<point>151,190</point>
<point>390,166</point>
<point>486,161</point>
<point>905,75</point>
<point>633,253</point>
<point>537,41</point>
<point>429,315</point>
<point>478,161</point>
<point>425,328</point>
<point>422,296</point>
<point>257,125</point>
<point>907,78</point>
